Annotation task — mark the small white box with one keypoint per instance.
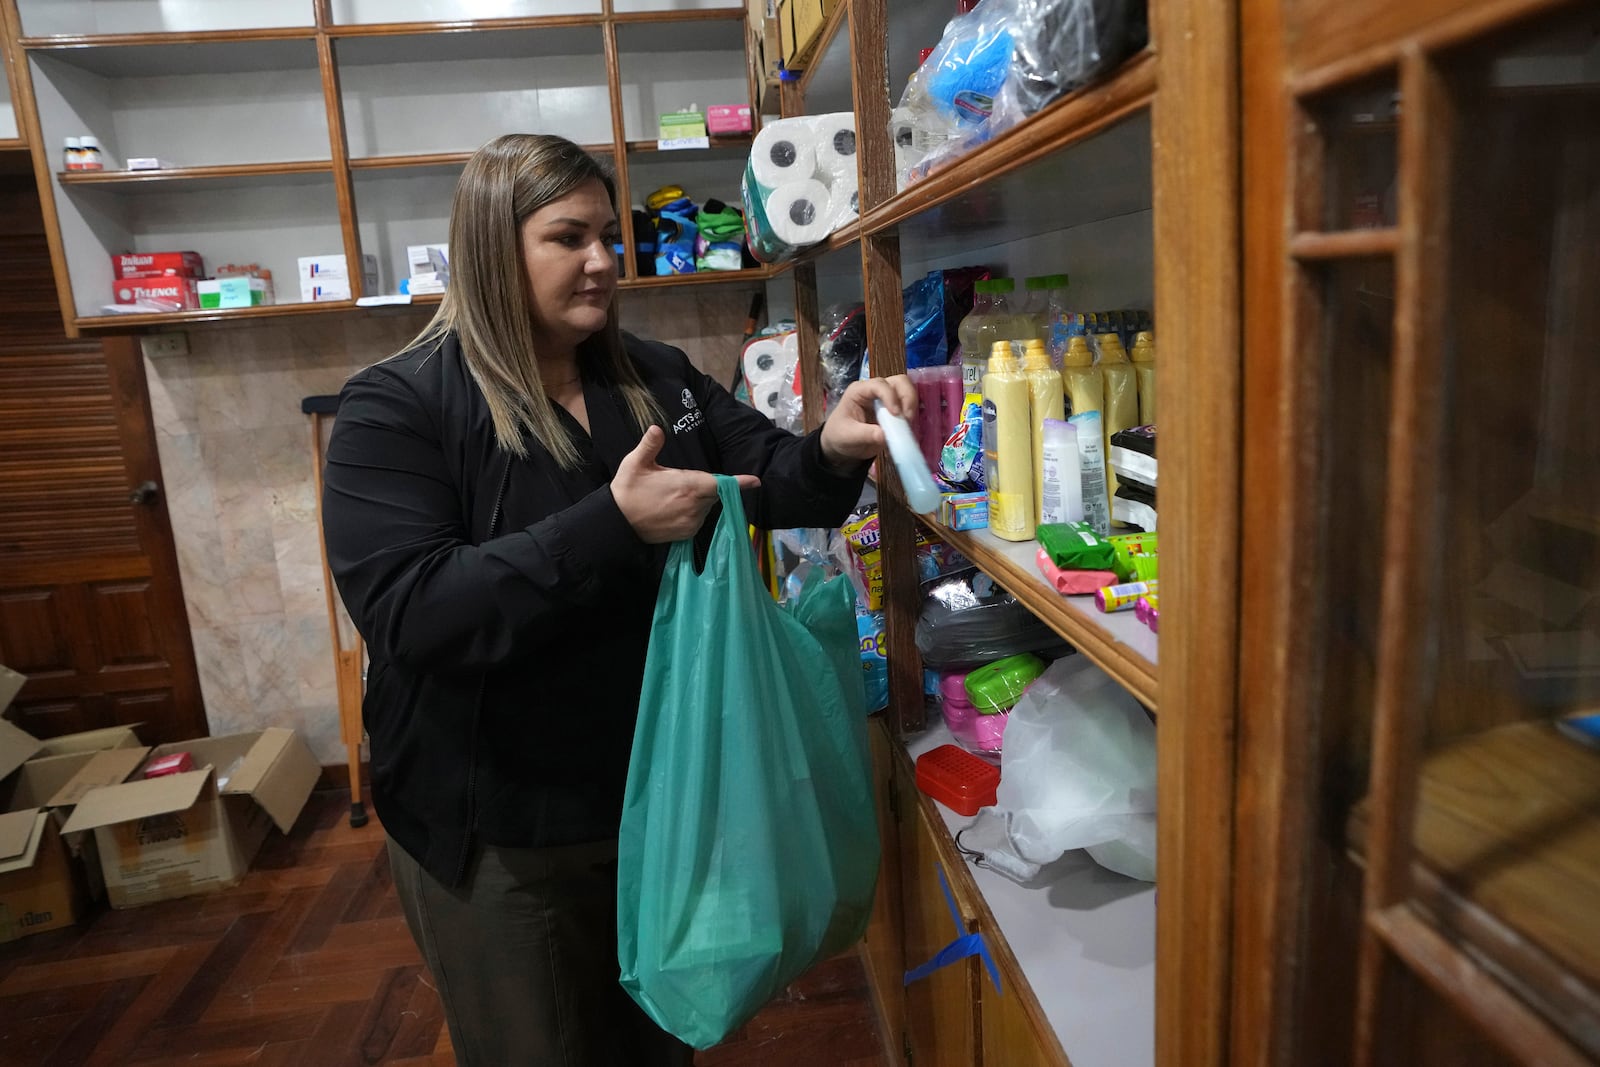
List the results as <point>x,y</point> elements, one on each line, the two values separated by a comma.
<point>429,259</point>
<point>148,163</point>
<point>328,278</point>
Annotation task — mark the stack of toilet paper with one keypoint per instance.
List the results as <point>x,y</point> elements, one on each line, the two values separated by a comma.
<point>767,363</point>
<point>800,184</point>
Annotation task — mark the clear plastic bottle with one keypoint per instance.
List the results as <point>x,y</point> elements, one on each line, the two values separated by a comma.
<point>1033,305</point>
<point>991,320</point>
<point>1056,318</point>
<point>975,354</point>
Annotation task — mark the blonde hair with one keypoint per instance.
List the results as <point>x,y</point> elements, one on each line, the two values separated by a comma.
<point>487,304</point>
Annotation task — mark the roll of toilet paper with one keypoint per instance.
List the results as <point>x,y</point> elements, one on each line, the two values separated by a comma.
<point>834,138</point>
<point>764,358</point>
<point>783,151</point>
<point>798,212</point>
<point>844,201</point>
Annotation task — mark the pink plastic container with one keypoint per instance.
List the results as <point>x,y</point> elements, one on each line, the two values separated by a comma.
<point>975,731</point>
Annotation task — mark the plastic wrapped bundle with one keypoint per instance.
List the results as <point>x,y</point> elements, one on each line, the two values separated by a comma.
<point>799,184</point>
<point>999,64</point>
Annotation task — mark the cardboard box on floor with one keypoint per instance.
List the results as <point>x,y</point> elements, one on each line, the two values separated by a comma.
<point>180,834</point>
<point>47,878</point>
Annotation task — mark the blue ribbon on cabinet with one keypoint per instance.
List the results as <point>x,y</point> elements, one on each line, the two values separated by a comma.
<point>968,944</point>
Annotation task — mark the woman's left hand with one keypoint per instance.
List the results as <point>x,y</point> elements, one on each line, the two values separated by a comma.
<point>851,435</point>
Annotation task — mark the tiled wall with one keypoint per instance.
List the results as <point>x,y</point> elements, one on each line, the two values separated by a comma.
<point>236,461</point>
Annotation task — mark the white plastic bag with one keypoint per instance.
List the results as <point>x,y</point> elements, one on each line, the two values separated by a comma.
<point>1079,771</point>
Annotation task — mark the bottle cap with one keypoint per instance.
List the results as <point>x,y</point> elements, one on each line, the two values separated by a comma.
<point>1078,354</point>
<point>1057,281</point>
<point>1110,342</point>
<point>89,142</point>
<point>73,142</point>
<point>1035,357</point>
<point>1144,347</point>
<point>1002,285</point>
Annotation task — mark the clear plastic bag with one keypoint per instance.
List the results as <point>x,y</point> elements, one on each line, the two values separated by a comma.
<point>1000,63</point>
<point>1079,771</point>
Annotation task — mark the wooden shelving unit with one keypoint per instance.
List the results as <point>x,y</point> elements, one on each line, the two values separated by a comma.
<point>346,107</point>
<point>1084,178</point>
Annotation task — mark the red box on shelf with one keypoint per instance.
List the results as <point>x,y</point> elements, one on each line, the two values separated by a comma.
<point>174,293</point>
<point>157,265</point>
<point>174,763</point>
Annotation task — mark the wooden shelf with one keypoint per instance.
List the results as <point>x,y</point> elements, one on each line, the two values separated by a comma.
<point>63,42</point>
<point>705,14</point>
<point>706,277</point>
<point>1067,121</point>
<point>405,29</point>
<point>1083,937</point>
<point>111,323</point>
<point>240,170</point>
<point>1118,643</point>
<point>738,142</point>
<point>1508,835</point>
<point>839,240</point>
<point>424,160</point>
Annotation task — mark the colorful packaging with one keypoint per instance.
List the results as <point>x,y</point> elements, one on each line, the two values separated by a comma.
<point>961,459</point>
<point>965,511</point>
<point>169,293</point>
<point>1075,546</point>
<point>157,265</point>
<point>998,685</point>
<point>728,118</point>
<point>1072,583</point>
<point>874,657</point>
<point>1122,597</point>
<point>1128,546</point>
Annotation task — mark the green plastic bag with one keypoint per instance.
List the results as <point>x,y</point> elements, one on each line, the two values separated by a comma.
<point>748,846</point>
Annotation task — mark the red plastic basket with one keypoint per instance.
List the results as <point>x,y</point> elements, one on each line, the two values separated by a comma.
<point>957,779</point>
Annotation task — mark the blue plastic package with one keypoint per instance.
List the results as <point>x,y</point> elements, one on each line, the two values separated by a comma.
<point>969,74</point>
<point>874,659</point>
<point>924,321</point>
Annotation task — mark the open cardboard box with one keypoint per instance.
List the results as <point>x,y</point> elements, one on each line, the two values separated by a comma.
<point>47,877</point>
<point>194,832</point>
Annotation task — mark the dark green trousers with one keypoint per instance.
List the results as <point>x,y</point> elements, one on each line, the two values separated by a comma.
<point>524,955</point>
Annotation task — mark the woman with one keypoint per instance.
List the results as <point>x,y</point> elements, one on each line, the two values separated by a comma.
<point>499,498</point>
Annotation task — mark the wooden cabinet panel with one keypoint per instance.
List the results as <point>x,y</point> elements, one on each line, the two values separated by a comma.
<point>52,718</point>
<point>885,947</point>
<point>941,1009</point>
<point>121,612</point>
<point>152,706</point>
<point>33,634</point>
<point>1008,1036</point>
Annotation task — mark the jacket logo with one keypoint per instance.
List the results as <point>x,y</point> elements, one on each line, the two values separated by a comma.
<point>692,420</point>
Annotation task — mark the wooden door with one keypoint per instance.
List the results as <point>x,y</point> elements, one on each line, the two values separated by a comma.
<point>1419,831</point>
<point>91,609</point>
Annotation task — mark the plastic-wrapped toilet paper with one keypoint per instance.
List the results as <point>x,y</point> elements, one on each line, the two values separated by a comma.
<point>765,363</point>
<point>844,200</point>
<point>783,152</point>
<point>834,140</point>
<point>798,212</point>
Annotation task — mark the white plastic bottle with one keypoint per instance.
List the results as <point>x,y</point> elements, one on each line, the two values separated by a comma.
<point>72,155</point>
<point>93,158</point>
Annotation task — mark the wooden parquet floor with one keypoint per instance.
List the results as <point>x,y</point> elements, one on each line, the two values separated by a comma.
<point>307,963</point>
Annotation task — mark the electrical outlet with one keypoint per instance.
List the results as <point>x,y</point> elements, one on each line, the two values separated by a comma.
<point>160,345</point>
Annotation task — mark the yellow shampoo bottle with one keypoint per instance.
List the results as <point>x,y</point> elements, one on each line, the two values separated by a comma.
<point>1007,448</point>
<point>1045,401</point>
<point>1080,377</point>
<point>1144,366</point>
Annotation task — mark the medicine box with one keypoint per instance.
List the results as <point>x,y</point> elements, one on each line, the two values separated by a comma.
<point>232,292</point>
<point>679,124</point>
<point>965,511</point>
<point>728,118</point>
<point>157,265</point>
<point>328,277</point>
<point>169,293</point>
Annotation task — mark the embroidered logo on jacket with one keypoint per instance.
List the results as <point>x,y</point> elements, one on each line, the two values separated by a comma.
<point>693,419</point>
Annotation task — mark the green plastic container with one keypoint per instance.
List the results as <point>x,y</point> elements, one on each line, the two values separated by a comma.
<point>996,686</point>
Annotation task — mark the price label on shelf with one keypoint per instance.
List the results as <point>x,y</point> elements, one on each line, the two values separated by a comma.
<point>676,143</point>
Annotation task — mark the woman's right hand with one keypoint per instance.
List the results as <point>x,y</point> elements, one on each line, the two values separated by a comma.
<point>664,504</point>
